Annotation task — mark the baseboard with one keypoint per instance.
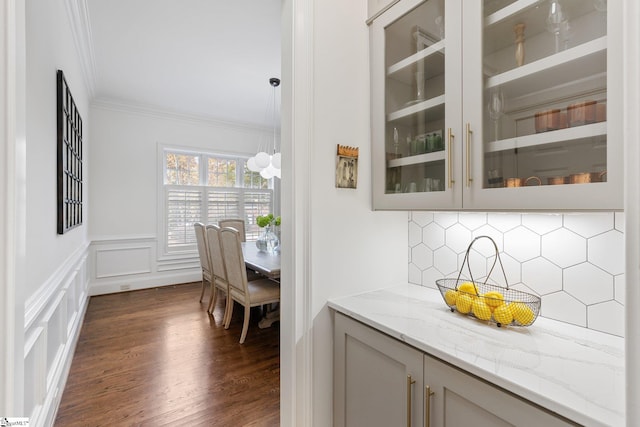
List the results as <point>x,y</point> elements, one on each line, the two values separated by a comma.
<point>133,283</point>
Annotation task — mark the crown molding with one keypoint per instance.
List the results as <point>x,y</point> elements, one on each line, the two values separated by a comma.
<point>78,14</point>
<point>162,113</point>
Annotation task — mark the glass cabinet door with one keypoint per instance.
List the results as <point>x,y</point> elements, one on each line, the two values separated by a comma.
<point>409,57</point>
<point>544,103</point>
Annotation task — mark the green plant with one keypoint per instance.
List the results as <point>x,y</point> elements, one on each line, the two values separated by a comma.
<point>267,220</point>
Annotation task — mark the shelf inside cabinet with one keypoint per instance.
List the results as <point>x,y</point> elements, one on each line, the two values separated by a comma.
<point>569,134</point>
<point>577,63</point>
<point>418,159</point>
<point>533,14</point>
<point>431,53</point>
<point>509,11</point>
<point>417,107</point>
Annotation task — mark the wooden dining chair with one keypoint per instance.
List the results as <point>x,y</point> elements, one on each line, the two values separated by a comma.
<point>236,223</point>
<point>250,294</point>
<point>219,271</point>
<point>203,253</point>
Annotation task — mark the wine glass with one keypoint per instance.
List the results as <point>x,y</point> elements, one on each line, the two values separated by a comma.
<point>396,143</point>
<point>496,108</point>
<point>556,21</point>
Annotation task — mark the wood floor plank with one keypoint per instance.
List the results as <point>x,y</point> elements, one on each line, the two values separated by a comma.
<point>155,357</point>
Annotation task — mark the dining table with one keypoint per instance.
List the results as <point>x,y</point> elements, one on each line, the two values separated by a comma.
<point>267,264</point>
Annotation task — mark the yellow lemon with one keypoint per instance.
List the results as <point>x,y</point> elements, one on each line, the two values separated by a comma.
<point>522,313</point>
<point>494,299</point>
<point>451,297</point>
<point>503,314</point>
<point>463,303</point>
<point>468,288</point>
<point>481,310</point>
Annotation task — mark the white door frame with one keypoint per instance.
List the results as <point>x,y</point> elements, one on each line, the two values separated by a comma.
<point>296,339</point>
<point>631,110</point>
<point>12,205</point>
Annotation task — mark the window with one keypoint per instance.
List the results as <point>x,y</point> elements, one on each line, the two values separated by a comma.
<point>205,187</point>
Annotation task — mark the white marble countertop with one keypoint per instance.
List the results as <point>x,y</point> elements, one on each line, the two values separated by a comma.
<point>573,371</point>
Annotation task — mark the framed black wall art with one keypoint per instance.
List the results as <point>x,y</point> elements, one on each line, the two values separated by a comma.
<point>69,124</point>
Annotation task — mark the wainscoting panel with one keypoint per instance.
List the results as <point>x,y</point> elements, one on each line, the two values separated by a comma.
<point>125,261</point>
<point>53,317</point>
<point>130,263</point>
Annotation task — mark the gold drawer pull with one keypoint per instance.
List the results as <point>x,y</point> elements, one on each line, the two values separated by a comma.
<point>469,132</point>
<point>427,406</point>
<point>410,381</point>
<point>450,137</point>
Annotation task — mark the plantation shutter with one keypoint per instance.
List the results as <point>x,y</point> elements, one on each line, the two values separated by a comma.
<point>256,203</point>
<point>184,207</point>
<point>222,204</point>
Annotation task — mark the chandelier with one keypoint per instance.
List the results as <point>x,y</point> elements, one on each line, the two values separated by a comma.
<point>268,165</point>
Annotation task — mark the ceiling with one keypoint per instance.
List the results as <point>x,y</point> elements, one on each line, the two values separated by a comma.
<point>209,58</point>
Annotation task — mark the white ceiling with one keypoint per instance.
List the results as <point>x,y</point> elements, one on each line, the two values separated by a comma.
<point>209,58</point>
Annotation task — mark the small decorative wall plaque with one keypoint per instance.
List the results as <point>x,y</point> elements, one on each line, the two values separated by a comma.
<point>69,126</point>
<point>347,167</point>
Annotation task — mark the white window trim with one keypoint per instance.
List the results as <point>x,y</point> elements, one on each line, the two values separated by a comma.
<point>164,254</point>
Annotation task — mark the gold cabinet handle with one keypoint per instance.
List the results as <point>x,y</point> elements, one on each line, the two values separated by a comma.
<point>450,137</point>
<point>469,132</point>
<point>410,381</point>
<point>427,406</point>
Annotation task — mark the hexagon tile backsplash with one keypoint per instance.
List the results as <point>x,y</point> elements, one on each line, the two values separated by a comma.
<point>574,261</point>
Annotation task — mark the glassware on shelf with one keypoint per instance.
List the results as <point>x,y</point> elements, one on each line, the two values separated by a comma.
<point>440,24</point>
<point>519,30</point>
<point>557,22</point>
<point>600,5</point>
<point>396,144</point>
<point>496,109</point>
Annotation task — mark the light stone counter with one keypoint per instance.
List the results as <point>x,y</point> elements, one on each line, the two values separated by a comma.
<point>573,371</point>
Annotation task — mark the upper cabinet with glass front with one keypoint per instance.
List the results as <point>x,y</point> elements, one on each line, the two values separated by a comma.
<point>502,104</point>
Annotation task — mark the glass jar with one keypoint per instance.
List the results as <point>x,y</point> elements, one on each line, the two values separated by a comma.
<point>268,240</point>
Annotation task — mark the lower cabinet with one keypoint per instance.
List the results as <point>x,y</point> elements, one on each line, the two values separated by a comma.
<point>377,379</point>
<point>380,381</point>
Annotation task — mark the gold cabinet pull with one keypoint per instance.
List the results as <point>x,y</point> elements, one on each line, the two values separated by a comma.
<point>427,406</point>
<point>450,137</point>
<point>469,132</point>
<point>410,381</point>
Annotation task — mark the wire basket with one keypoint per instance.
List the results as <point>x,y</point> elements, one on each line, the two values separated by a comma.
<point>486,301</point>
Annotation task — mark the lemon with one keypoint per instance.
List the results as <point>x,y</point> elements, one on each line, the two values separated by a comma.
<point>450,297</point>
<point>522,313</point>
<point>494,299</point>
<point>463,303</point>
<point>503,314</point>
<point>468,288</point>
<point>481,310</point>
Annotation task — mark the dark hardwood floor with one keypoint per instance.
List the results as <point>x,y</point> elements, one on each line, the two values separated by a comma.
<point>155,357</point>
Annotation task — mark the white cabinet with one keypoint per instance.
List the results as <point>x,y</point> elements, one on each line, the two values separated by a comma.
<point>377,381</point>
<point>460,399</point>
<point>500,104</point>
<point>380,381</point>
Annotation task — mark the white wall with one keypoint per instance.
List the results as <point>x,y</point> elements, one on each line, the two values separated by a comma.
<point>50,47</point>
<point>337,244</point>
<point>55,280</point>
<point>124,177</point>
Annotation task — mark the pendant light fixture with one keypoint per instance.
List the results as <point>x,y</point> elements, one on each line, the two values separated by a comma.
<point>268,164</point>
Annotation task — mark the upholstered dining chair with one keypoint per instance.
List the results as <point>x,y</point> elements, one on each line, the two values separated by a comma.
<point>238,224</point>
<point>250,294</point>
<point>203,253</point>
<point>219,271</point>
